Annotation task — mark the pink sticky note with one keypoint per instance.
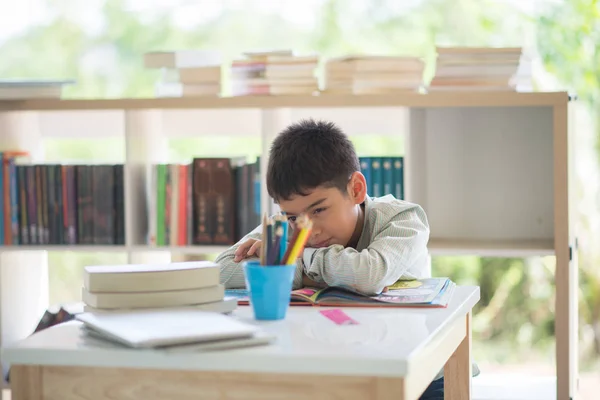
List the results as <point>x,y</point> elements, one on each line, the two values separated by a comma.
<point>338,316</point>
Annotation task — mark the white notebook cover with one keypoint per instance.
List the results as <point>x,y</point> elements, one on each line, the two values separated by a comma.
<point>166,327</point>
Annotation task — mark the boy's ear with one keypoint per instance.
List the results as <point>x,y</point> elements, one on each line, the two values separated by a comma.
<point>357,188</point>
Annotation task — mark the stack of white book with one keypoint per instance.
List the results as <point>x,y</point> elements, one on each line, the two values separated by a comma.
<point>186,73</point>
<point>373,74</point>
<point>140,287</point>
<point>480,69</point>
<point>277,72</point>
<point>18,89</point>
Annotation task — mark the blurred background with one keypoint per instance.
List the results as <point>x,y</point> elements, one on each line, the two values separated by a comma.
<point>100,44</point>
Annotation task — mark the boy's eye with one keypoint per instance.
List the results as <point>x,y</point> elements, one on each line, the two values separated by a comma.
<point>319,210</point>
<point>292,219</point>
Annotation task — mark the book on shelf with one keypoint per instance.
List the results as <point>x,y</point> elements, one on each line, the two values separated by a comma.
<point>480,69</point>
<point>384,175</point>
<point>60,204</point>
<point>211,201</point>
<point>191,58</point>
<point>186,73</point>
<point>277,72</point>
<point>20,89</point>
<point>216,201</point>
<point>371,74</point>
<point>426,292</point>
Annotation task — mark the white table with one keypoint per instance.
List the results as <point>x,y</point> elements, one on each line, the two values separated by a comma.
<point>393,353</point>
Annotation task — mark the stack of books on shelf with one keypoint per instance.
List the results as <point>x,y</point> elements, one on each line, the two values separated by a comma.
<point>19,89</point>
<point>133,287</point>
<point>274,73</point>
<point>373,74</point>
<point>60,204</point>
<point>479,69</point>
<point>186,73</point>
<point>212,201</point>
<point>384,175</point>
<point>216,201</point>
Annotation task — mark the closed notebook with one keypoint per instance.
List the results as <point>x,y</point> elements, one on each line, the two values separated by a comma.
<point>172,298</point>
<point>150,277</point>
<point>146,329</point>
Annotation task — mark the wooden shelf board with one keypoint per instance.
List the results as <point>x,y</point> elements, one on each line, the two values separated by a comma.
<point>436,247</point>
<point>117,248</point>
<point>203,249</point>
<point>491,248</point>
<point>446,99</point>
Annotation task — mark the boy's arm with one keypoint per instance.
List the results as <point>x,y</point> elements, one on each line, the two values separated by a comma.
<point>401,245</point>
<point>232,273</point>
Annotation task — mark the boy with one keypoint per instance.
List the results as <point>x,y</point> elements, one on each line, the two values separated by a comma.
<point>358,242</point>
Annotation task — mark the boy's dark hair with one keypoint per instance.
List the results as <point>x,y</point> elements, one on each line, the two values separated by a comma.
<point>309,154</point>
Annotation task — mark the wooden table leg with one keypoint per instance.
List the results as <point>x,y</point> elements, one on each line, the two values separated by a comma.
<point>458,369</point>
<point>26,382</point>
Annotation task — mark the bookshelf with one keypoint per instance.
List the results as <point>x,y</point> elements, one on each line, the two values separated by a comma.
<point>491,169</point>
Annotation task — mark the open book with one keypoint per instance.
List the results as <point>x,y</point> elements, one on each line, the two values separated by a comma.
<point>427,292</point>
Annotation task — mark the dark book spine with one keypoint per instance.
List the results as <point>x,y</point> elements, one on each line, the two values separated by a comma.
<point>190,205</point>
<point>106,205</point>
<point>41,205</point>
<point>58,208</point>
<point>84,217</point>
<point>23,220</point>
<point>14,202</point>
<point>89,204</point>
<point>119,205</point>
<point>49,188</point>
<point>72,207</point>
<point>96,206</point>
<point>32,215</point>
<point>202,209</point>
<point>182,206</point>
<point>223,192</point>
<point>5,191</point>
<point>64,206</point>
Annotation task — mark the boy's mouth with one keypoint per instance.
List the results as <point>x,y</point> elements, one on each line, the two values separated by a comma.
<point>324,243</point>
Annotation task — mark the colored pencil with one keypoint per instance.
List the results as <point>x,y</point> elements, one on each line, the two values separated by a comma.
<point>293,239</point>
<point>298,247</point>
<point>284,239</point>
<point>273,255</point>
<point>263,247</point>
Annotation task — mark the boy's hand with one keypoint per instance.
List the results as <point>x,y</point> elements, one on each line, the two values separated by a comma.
<point>249,248</point>
<point>307,282</point>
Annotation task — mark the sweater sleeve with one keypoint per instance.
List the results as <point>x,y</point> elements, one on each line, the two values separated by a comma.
<point>396,251</point>
<point>232,273</point>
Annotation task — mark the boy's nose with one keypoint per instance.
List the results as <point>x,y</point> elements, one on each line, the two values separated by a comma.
<point>314,235</point>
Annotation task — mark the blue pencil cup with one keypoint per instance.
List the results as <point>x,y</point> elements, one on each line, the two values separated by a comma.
<point>269,288</point>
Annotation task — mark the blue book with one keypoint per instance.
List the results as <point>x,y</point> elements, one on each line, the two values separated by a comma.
<point>398,177</point>
<point>387,176</point>
<point>365,169</point>
<point>377,176</point>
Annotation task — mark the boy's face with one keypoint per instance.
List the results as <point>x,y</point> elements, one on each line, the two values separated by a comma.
<point>333,213</point>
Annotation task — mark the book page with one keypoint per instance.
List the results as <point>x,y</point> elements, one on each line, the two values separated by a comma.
<point>306,294</point>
